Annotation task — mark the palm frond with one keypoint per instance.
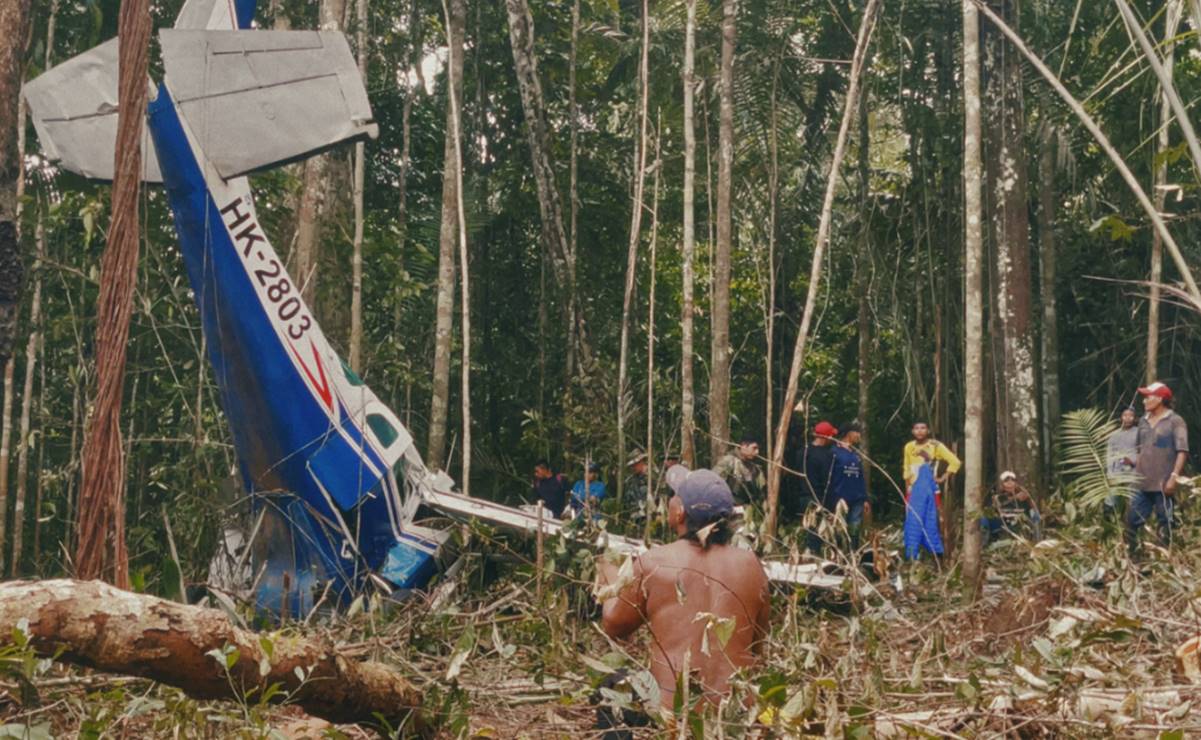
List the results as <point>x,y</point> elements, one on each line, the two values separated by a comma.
<point>1083,458</point>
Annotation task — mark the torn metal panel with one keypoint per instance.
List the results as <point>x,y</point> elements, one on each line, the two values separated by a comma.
<point>260,98</point>
<point>74,110</point>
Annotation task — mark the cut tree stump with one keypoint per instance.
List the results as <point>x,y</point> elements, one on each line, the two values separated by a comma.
<point>98,626</point>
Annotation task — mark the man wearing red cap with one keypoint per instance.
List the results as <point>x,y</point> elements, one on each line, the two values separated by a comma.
<point>1162,452</point>
<point>817,463</point>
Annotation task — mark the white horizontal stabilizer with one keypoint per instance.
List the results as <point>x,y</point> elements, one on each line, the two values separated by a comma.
<point>74,109</point>
<point>259,98</point>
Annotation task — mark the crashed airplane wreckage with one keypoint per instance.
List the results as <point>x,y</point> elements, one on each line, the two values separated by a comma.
<point>334,476</point>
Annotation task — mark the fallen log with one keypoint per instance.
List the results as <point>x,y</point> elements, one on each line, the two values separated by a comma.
<point>98,626</point>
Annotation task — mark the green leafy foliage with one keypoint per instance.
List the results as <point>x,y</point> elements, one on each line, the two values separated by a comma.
<point>1084,459</point>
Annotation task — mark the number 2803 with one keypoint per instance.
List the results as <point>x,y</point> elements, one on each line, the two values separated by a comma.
<point>278,289</point>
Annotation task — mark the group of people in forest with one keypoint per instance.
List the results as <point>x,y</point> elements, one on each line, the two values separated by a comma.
<point>687,588</point>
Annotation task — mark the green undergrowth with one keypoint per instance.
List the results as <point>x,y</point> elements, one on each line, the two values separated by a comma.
<point>1065,638</point>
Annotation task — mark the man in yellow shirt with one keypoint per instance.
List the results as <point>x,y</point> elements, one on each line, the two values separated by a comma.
<point>924,450</point>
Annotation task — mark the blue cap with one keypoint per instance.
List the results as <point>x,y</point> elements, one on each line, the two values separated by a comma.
<point>706,498</point>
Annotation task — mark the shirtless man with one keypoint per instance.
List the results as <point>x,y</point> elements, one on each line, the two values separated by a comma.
<point>670,586</point>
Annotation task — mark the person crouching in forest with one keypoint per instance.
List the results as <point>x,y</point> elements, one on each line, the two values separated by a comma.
<point>1014,506</point>
<point>688,592</point>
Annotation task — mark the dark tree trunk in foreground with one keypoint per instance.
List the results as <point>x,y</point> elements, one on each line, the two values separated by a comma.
<point>101,549</point>
<point>14,19</point>
<point>719,372</point>
<point>92,624</point>
<point>447,244</point>
<point>1017,416</point>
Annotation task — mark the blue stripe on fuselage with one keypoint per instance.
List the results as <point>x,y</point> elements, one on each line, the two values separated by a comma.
<point>277,424</point>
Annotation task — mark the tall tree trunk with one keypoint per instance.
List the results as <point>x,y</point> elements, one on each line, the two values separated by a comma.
<point>36,326</point>
<point>650,340</point>
<point>1047,260</point>
<point>632,249</point>
<point>456,121</point>
<point>24,440</point>
<point>858,62</point>
<point>554,238</point>
<point>1010,220</point>
<point>315,188</point>
<point>360,166</point>
<point>688,398</point>
<point>973,314</point>
<point>573,111</point>
<point>14,19</point>
<point>444,313</point>
<point>101,551</point>
<point>769,304</point>
<point>719,373</point>
<point>413,62</point>
<point>1162,141</point>
<point>863,269</point>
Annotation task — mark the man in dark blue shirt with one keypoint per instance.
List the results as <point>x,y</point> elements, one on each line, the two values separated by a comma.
<point>846,480</point>
<point>550,488</point>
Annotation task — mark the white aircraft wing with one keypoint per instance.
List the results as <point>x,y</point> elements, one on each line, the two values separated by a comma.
<point>74,109</point>
<point>260,98</point>
<point>811,575</point>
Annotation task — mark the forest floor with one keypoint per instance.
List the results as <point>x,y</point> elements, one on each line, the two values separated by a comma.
<point>1068,638</point>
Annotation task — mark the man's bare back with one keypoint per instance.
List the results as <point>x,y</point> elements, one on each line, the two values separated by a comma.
<point>683,591</point>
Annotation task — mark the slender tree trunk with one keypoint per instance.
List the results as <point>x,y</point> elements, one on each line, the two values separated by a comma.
<point>866,26</point>
<point>1162,141</point>
<point>406,113</point>
<point>5,451</point>
<point>632,250</point>
<point>1011,241</point>
<point>24,439</point>
<point>863,270</point>
<point>973,315</point>
<point>101,551</point>
<point>455,15</point>
<point>688,398</point>
<point>573,109</point>
<point>315,188</point>
<point>444,313</point>
<point>360,165</point>
<point>40,479</point>
<point>719,374</point>
<point>554,237</point>
<point>769,304</point>
<point>1047,265</point>
<point>650,340</point>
